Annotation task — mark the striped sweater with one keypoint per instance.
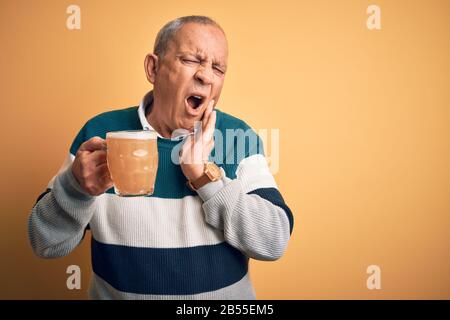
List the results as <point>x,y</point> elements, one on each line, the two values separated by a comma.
<point>176,243</point>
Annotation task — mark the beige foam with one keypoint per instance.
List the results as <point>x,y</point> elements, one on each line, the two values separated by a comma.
<point>140,135</point>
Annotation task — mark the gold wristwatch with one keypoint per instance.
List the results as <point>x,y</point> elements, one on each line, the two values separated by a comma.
<point>211,172</point>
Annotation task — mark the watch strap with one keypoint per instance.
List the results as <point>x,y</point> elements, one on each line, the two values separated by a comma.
<point>200,182</point>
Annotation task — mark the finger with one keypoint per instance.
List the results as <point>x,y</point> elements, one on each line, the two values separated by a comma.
<point>102,170</point>
<point>205,120</point>
<point>210,146</point>
<point>106,181</point>
<point>101,159</point>
<point>94,143</point>
<point>207,113</point>
<point>210,126</point>
<point>186,149</point>
<point>207,150</point>
<point>97,157</point>
<point>186,144</point>
<point>109,185</point>
<point>103,184</point>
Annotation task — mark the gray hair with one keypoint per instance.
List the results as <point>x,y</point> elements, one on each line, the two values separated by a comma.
<point>167,33</point>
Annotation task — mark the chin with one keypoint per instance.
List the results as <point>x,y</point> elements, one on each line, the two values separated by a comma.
<point>186,125</point>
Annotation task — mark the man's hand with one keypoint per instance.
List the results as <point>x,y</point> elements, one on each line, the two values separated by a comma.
<point>90,169</point>
<point>196,149</point>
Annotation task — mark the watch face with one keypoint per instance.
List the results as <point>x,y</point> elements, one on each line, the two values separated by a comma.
<point>213,171</point>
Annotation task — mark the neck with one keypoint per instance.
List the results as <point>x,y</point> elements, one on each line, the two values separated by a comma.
<point>156,120</point>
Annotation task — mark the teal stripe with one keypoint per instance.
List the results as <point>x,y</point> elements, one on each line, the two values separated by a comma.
<point>164,271</point>
<point>170,181</point>
<point>116,120</point>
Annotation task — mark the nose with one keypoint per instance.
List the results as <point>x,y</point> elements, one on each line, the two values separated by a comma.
<point>204,75</point>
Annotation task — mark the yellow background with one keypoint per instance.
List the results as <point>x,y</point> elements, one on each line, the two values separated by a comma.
<point>363,118</point>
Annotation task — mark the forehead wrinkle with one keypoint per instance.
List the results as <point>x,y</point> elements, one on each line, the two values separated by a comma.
<point>214,60</point>
<point>187,45</point>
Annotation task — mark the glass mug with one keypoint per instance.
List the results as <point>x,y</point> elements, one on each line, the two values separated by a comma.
<point>132,158</point>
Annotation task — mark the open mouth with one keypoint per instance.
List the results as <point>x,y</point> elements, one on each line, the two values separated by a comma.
<point>195,101</point>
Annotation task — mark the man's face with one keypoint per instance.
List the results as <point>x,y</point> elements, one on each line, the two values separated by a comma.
<point>190,74</point>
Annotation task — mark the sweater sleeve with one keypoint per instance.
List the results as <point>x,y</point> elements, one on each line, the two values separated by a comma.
<point>250,210</point>
<point>58,220</point>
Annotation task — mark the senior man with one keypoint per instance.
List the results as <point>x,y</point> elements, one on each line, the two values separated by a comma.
<point>192,239</point>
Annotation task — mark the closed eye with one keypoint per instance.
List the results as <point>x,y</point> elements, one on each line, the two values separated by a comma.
<point>190,61</point>
<point>220,71</point>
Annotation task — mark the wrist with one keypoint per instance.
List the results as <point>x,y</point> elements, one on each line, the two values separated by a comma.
<point>211,172</point>
<point>71,186</point>
<point>193,172</point>
<point>210,189</point>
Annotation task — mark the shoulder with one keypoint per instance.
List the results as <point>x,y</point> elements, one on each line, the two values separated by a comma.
<point>99,125</point>
<point>234,141</point>
<point>234,128</point>
<point>227,121</point>
<point>120,119</point>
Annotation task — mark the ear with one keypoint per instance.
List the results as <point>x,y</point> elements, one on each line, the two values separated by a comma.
<point>151,66</point>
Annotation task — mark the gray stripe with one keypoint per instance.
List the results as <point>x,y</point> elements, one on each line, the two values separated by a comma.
<point>99,289</point>
<point>250,223</point>
<point>58,220</point>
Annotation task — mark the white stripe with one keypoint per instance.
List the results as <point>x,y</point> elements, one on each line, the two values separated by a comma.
<point>152,222</point>
<point>67,162</point>
<point>253,173</point>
